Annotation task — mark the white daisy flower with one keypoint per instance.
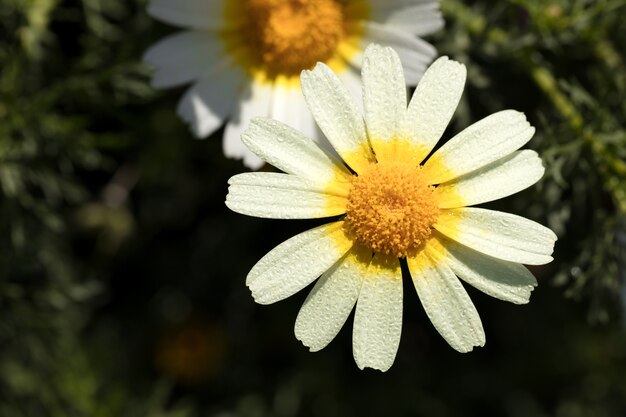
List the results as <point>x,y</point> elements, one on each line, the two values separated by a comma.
<point>395,203</point>
<point>244,57</point>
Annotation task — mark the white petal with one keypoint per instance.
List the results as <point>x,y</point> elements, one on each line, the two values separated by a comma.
<point>378,317</point>
<point>291,151</point>
<point>300,117</point>
<point>499,179</point>
<point>488,140</point>
<point>284,98</point>
<point>433,104</point>
<point>417,18</point>
<point>308,127</point>
<point>415,54</point>
<point>281,196</point>
<point>200,14</point>
<point>337,115</point>
<point>329,304</point>
<point>447,304</point>
<point>295,263</point>
<point>384,93</point>
<point>501,235</point>
<point>206,104</point>
<point>182,57</point>
<point>504,280</point>
<point>352,80</point>
<point>289,107</point>
<point>254,100</point>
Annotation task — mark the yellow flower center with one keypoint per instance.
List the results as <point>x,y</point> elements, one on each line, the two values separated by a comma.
<point>391,208</point>
<point>283,37</point>
<point>292,35</point>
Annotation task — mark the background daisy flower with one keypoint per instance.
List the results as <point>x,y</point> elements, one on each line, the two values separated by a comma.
<point>395,203</point>
<point>244,57</point>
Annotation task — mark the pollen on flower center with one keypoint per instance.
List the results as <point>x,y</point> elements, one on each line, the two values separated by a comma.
<point>288,36</point>
<point>391,208</point>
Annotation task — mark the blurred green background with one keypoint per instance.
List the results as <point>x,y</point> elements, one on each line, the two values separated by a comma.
<point>122,272</point>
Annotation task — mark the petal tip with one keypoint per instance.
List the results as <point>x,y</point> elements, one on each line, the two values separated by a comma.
<point>372,48</point>
<point>470,348</point>
<point>320,67</point>
<point>377,364</point>
<point>310,346</point>
<point>444,60</point>
<point>259,298</point>
<point>384,368</point>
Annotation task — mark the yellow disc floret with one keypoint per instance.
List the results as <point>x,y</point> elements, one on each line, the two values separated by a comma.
<point>283,37</point>
<point>391,208</point>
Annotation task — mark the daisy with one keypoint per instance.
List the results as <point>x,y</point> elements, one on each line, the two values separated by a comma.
<point>244,57</point>
<point>393,203</point>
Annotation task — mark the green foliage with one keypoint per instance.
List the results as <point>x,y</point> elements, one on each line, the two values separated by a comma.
<point>48,143</point>
<point>113,233</point>
<point>570,78</point>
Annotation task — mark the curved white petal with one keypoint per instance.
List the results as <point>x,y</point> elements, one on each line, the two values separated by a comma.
<point>207,103</point>
<point>288,105</point>
<point>488,140</point>
<point>415,53</point>
<point>501,178</point>
<point>329,304</point>
<point>182,57</point>
<point>295,263</point>
<point>433,104</point>
<point>199,14</point>
<point>337,115</point>
<point>417,18</point>
<point>501,235</point>
<point>301,118</point>
<point>282,196</point>
<point>384,93</point>
<point>378,317</point>
<point>292,152</point>
<point>253,101</point>
<point>504,280</point>
<point>446,303</point>
<point>352,80</point>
